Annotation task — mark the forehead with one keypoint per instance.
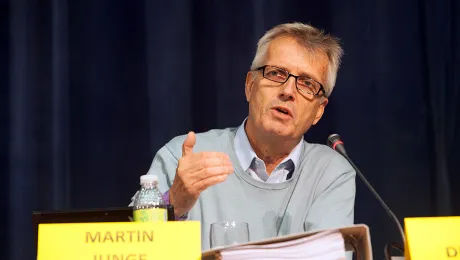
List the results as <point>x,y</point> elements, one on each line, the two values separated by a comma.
<point>287,53</point>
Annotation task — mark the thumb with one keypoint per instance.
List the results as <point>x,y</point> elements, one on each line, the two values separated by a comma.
<point>187,147</point>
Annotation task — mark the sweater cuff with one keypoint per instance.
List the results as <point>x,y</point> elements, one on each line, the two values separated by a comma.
<point>166,200</point>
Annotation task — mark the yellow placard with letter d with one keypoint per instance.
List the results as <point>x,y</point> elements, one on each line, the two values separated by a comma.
<point>121,241</point>
<point>432,238</point>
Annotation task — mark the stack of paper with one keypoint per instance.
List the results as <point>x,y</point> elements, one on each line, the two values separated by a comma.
<point>323,245</point>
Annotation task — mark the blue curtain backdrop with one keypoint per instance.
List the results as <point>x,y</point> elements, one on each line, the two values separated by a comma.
<point>92,89</point>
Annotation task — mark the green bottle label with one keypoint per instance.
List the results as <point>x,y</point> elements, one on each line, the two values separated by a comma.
<point>150,214</point>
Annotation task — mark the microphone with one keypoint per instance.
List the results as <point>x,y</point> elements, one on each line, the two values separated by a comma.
<point>334,141</point>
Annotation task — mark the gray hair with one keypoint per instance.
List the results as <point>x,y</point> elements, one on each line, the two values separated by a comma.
<point>312,39</point>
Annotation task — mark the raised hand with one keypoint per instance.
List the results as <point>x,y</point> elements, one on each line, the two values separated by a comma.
<point>196,172</point>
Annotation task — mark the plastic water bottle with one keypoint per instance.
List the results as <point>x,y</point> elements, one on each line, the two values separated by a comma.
<point>149,204</point>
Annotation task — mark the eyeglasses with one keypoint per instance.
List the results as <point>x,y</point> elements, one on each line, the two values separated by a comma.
<point>304,84</point>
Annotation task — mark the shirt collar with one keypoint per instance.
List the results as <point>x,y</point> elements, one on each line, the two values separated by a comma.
<point>246,154</point>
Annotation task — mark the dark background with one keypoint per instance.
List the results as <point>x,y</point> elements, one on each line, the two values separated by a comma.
<point>92,89</point>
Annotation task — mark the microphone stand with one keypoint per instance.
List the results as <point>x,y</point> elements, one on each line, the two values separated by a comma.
<point>336,144</point>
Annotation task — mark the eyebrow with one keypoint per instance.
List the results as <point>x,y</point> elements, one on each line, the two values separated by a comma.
<point>308,75</point>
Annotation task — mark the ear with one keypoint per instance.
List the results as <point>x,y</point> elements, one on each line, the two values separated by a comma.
<point>249,85</point>
<point>320,110</point>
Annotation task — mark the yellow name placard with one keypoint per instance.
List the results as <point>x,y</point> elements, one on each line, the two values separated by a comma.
<point>120,241</point>
<point>432,238</point>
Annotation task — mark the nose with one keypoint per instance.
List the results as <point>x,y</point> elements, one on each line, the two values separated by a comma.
<point>288,90</point>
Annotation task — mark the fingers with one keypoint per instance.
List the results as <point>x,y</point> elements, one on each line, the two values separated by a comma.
<point>208,182</point>
<point>210,176</point>
<point>197,161</point>
<point>189,142</point>
<point>215,171</point>
<point>209,164</point>
<point>213,154</point>
<point>215,161</point>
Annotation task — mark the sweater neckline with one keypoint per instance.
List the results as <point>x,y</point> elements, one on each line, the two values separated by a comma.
<point>247,178</point>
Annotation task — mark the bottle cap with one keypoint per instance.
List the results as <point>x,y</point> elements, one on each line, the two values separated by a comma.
<point>149,178</point>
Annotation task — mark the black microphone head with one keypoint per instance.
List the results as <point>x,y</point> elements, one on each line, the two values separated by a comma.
<point>332,139</point>
<point>335,142</point>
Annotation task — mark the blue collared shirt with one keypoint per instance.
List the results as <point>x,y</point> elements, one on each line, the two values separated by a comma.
<point>256,168</point>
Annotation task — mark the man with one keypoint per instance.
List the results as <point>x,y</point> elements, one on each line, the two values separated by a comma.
<point>263,172</point>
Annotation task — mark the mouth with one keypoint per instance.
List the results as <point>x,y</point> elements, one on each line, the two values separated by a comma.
<point>284,110</point>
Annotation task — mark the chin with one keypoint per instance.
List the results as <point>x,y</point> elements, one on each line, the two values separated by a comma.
<point>277,129</point>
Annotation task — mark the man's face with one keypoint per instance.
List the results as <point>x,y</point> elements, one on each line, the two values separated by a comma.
<point>269,101</point>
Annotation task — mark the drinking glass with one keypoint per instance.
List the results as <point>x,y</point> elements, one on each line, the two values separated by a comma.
<point>226,233</point>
